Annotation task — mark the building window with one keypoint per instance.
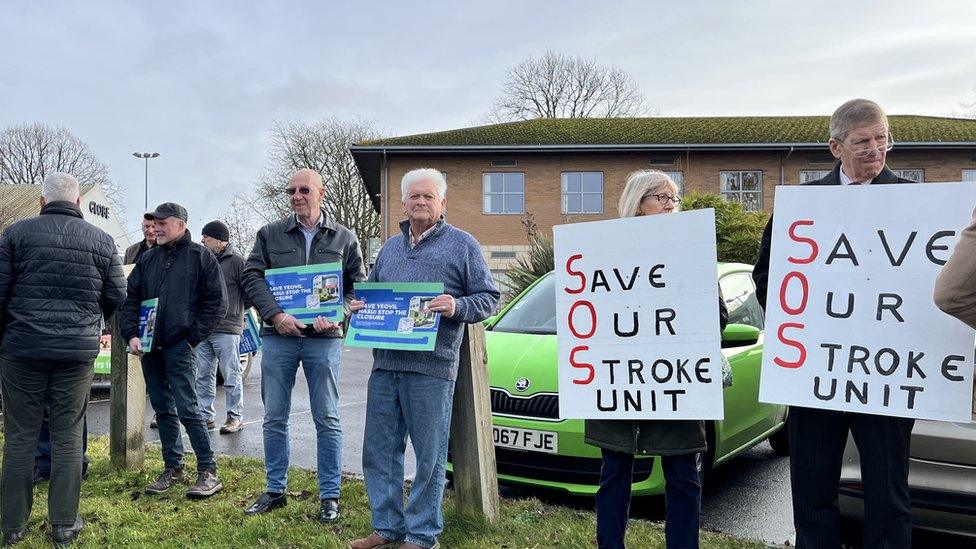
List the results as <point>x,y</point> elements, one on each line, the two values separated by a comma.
<point>969,175</point>
<point>679,179</point>
<point>913,174</point>
<point>743,187</point>
<point>582,192</point>
<point>807,176</point>
<point>504,193</point>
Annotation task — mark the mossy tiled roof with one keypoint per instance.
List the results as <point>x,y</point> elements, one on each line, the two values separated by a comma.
<point>678,131</point>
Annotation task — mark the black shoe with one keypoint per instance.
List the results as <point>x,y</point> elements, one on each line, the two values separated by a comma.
<point>329,511</point>
<point>41,476</point>
<point>65,535</point>
<point>267,502</point>
<point>11,538</point>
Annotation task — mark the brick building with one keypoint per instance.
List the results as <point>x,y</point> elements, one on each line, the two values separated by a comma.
<point>567,170</point>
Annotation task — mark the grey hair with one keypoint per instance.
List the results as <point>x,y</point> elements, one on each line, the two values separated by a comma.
<point>856,113</point>
<point>422,174</point>
<point>60,186</point>
<point>640,184</point>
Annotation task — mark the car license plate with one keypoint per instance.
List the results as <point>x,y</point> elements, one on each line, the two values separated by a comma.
<point>525,439</point>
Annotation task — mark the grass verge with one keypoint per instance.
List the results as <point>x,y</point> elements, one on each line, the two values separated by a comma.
<point>118,514</point>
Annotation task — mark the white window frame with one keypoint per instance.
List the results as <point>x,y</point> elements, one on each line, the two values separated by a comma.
<point>969,175</point>
<point>738,195</point>
<point>903,171</point>
<point>485,186</point>
<point>564,196</point>
<point>806,176</point>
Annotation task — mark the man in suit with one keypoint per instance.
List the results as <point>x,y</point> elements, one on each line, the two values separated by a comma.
<point>860,140</point>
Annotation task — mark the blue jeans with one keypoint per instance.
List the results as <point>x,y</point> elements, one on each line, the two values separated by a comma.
<point>220,351</point>
<point>169,375</point>
<point>399,404</point>
<point>682,496</point>
<point>320,362</point>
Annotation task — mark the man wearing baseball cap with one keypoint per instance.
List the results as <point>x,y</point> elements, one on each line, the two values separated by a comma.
<point>185,278</point>
<point>220,350</point>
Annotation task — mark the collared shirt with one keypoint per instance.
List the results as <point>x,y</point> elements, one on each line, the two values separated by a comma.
<point>309,233</point>
<point>416,240</point>
<point>844,180</point>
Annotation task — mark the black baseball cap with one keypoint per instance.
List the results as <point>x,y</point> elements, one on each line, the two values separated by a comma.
<point>167,209</point>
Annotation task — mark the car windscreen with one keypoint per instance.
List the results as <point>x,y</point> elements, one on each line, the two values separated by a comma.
<point>534,312</point>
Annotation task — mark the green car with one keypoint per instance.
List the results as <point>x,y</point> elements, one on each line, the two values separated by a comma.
<point>534,447</point>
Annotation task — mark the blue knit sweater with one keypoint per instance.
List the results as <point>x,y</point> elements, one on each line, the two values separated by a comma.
<point>447,255</point>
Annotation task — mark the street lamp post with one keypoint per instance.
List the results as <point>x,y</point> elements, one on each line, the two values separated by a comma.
<point>147,156</point>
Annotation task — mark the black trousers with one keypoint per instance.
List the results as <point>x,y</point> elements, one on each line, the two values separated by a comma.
<point>817,441</point>
<point>26,386</point>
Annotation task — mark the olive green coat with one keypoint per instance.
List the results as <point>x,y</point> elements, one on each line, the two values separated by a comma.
<point>651,437</point>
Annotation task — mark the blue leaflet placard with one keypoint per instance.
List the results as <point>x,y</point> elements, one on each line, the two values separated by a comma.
<point>250,336</point>
<point>147,323</point>
<point>308,291</point>
<point>396,316</point>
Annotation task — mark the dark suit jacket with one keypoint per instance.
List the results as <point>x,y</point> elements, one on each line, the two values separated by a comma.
<point>760,273</point>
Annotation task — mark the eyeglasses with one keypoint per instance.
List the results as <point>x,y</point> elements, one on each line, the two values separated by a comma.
<point>292,190</point>
<point>664,198</point>
<point>868,151</point>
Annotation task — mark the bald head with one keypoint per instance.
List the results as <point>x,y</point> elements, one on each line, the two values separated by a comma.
<point>307,176</point>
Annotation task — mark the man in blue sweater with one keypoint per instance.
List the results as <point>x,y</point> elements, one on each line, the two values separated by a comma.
<point>411,393</point>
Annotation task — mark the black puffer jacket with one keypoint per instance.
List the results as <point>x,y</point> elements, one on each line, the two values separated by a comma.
<point>58,275</point>
<point>192,298</point>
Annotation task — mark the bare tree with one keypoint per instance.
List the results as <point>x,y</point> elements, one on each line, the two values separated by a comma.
<point>29,152</point>
<point>559,86</point>
<point>324,147</point>
<point>243,218</point>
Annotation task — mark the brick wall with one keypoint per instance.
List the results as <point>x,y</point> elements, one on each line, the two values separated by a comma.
<point>543,191</point>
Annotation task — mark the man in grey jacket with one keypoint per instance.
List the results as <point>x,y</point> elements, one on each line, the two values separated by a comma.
<point>221,349</point>
<point>308,237</point>
<point>411,393</point>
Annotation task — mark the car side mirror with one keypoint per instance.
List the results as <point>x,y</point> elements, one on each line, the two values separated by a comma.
<point>737,335</point>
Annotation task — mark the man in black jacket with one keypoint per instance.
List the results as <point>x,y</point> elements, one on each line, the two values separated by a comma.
<point>135,251</point>
<point>186,279</point>
<point>859,138</point>
<point>59,275</point>
<point>221,349</point>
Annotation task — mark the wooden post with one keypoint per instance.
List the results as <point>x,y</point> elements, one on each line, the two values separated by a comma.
<point>472,448</point>
<point>127,414</point>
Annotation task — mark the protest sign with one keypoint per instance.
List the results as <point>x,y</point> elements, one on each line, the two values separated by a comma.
<point>308,291</point>
<point>250,335</point>
<point>147,323</point>
<point>396,316</point>
<point>850,320</point>
<point>637,318</point>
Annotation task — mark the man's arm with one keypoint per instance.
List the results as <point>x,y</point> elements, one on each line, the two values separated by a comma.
<point>480,294</point>
<point>212,300</point>
<point>253,279</point>
<point>129,313</point>
<point>6,278</point>
<point>955,287</point>
<point>113,289</point>
<point>760,273</point>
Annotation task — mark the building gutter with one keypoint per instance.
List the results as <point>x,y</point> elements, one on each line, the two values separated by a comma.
<point>683,147</point>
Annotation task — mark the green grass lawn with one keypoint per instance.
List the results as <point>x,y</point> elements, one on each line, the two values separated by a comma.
<point>118,514</point>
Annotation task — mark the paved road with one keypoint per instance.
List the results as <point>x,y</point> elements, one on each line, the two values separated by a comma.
<point>748,497</point>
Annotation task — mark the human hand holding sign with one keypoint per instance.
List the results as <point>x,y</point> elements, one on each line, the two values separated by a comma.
<point>287,325</point>
<point>135,346</point>
<point>356,305</point>
<point>321,324</point>
<point>443,304</point>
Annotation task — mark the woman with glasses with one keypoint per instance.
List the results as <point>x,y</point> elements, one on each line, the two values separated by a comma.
<point>678,442</point>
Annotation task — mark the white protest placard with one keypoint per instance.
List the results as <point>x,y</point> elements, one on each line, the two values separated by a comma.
<point>850,321</point>
<point>637,318</point>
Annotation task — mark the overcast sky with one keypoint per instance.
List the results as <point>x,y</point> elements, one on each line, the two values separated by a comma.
<point>202,82</point>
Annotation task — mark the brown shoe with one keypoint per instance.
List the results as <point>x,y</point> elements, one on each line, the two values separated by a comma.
<point>207,485</point>
<point>408,545</point>
<point>166,480</point>
<point>232,425</point>
<point>374,541</point>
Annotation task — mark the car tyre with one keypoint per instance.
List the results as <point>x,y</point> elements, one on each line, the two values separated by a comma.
<point>780,441</point>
